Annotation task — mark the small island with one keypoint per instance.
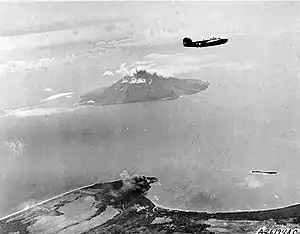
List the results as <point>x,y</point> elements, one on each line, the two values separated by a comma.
<point>142,86</point>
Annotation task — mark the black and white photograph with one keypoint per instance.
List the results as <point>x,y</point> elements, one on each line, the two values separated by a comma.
<point>149,117</point>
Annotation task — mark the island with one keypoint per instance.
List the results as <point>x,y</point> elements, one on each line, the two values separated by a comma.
<point>122,206</point>
<point>142,86</point>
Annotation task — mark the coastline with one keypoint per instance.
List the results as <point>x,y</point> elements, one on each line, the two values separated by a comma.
<point>122,206</point>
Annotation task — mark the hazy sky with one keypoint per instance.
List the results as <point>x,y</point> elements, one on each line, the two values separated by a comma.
<point>79,21</point>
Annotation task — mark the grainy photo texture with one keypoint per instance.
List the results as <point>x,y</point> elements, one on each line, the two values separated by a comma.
<point>149,117</point>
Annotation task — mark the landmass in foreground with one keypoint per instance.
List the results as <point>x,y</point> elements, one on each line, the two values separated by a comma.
<point>122,207</point>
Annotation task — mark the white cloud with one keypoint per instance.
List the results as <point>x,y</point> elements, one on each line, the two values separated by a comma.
<point>251,182</point>
<point>123,70</point>
<point>171,64</point>
<point>48,90</point>
<point>161,56</point>
<point>108,73</point>
<point>124,174</point>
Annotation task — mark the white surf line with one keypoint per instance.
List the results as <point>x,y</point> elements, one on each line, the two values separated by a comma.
<point>58,196</point>
<point>223,212</point>
<point>50,199</point>
<point>56,96</point>
<point>18,109</point>
<point>12,112</point>
<point>36,111</point>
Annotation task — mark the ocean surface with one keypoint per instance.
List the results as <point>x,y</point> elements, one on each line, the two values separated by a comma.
<point>201,147</point>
